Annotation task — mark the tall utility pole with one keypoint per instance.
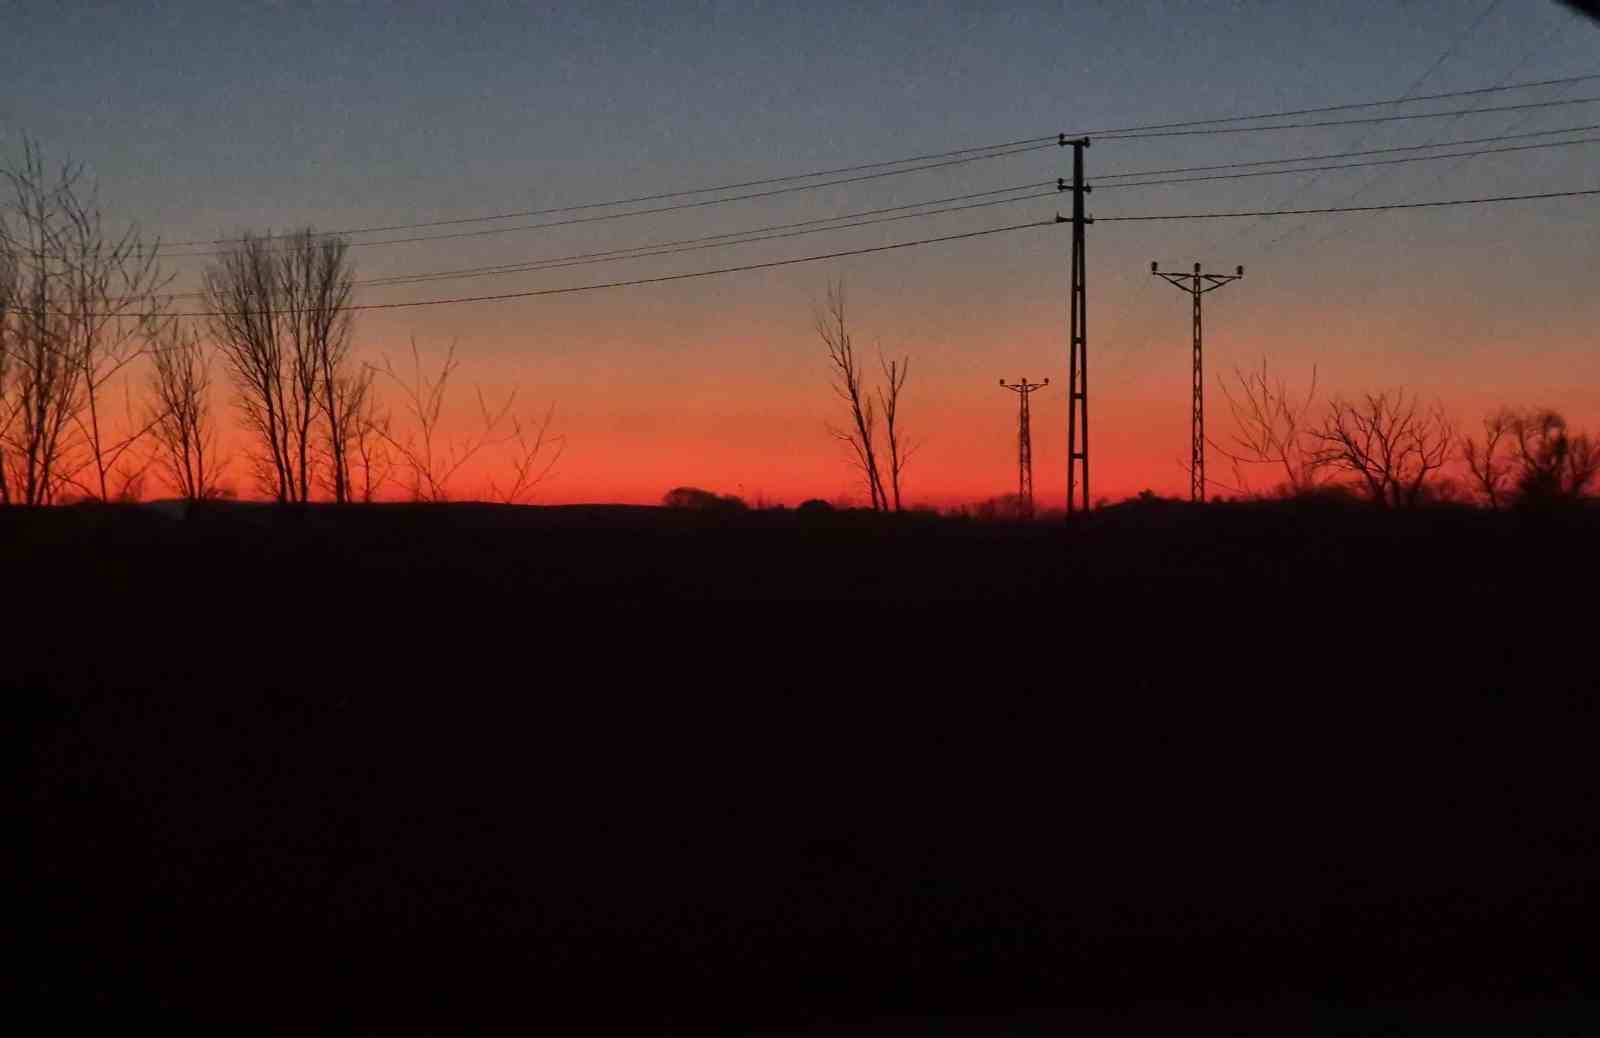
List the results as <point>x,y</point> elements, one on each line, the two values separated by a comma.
<point>1197,285</point>
<point>1024,443</point>
<point>1078,331</point>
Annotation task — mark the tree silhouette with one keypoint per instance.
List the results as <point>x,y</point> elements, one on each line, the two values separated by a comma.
<point>1490,463</point>
<point>282,322</point>
<point>1555,465</point>
<point>1388,442</point>
<point>1272,428</point>
<point>433,459</point>
<point>860,437</point>
<point>1532,459</point>
<point>181,420</point>
<point>833,328</point>
<point>900,449</point>
<point>78,305</point>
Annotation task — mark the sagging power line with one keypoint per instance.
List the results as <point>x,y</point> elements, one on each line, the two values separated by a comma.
<point>1043,140</point>
<point>1353,122</point>
<point>943,238</point>
<point>1344,154</point>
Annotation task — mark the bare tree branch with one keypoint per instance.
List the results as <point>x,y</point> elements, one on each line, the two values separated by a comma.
<point>829,320</point>
<point>78,303</point>
<point>1388,443</point>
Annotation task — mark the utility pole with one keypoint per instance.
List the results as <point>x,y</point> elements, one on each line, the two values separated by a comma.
<point>1078,331</point>
<point>1197,285</point>
<point>1024,443</point>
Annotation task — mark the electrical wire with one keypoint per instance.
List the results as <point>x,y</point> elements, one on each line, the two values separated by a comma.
<point>665,208</point>
<point>1354,165</point>
<point>648,249</point>
<point>1352,122</point>
<point>1344,154</point>
<point>661,278</point>
<point>689,275</point>
<point>1048,138</point>
<point>1350,209</point>
<point>662,248</point>
<point>693,245</point>
<point>1040,140</point>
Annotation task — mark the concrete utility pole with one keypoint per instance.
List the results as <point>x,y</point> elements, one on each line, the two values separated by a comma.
<point>1197,285</point>
<point>1078,332</point>
<point>1023,390</point>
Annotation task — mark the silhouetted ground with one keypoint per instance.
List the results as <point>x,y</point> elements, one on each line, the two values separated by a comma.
<point>1248,768</point>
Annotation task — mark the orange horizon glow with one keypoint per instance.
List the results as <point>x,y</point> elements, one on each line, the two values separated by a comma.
<point>622,446</point>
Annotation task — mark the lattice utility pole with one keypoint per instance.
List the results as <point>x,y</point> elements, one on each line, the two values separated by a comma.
<point>1024,389</point>
<point>1197,285</point>
<point>1078,331</point>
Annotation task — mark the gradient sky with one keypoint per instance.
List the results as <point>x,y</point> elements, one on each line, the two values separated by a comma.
<point>201,119</point>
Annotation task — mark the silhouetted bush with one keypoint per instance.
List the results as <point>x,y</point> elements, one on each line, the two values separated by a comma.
<point>695,499</point>
<point>814,506</point>
<point>1003,509</point>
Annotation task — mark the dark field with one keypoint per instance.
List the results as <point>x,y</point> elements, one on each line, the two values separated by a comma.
<point>1245,769</point>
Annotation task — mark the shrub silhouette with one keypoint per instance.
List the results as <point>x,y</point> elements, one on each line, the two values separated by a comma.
<point>695,499</point>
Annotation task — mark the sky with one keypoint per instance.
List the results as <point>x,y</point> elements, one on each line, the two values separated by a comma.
<point>200,120</point>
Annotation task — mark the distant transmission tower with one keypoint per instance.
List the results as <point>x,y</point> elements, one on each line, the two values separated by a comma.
<point>1197,285</point>
<point>1023,390</point>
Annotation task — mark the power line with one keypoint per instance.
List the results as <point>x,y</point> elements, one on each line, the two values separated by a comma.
<point>1047,138</point>
<point>662,248</point>
<point>665,208</point>
<point>1351,106</point>
<point>910,244</point>
<point>1354,165</point>
<point>1351,209</point>
<point>1346,154</point>
<point>740,237</point>
<point>1455,45</point>
<point>718,240</point>
<point>1353,122</point>
<point>1361,189</point>
<point>972,150</point>
<point>758,234</point>
<point>664,277</point>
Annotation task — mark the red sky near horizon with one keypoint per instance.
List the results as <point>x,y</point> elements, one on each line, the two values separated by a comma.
<point>198,123</point>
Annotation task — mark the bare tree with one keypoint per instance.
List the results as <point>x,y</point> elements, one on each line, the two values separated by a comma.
<point>9,342</point>
<point>372,437</point>
<point>433,459</point>
<point>1272,429</point>
<point>180,415</point>
<point>80,304</point>
<point>282,320</point>
<point>115,311</point>
<point>1388,442</point>
<point>1490,462</point>
<point>830,322</point>
<point>317,284</point>
<point>1555,465</point>
<point>526,463</point>
<point>242,290</point>
<point>361,430</point>
<point>900,449</point>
